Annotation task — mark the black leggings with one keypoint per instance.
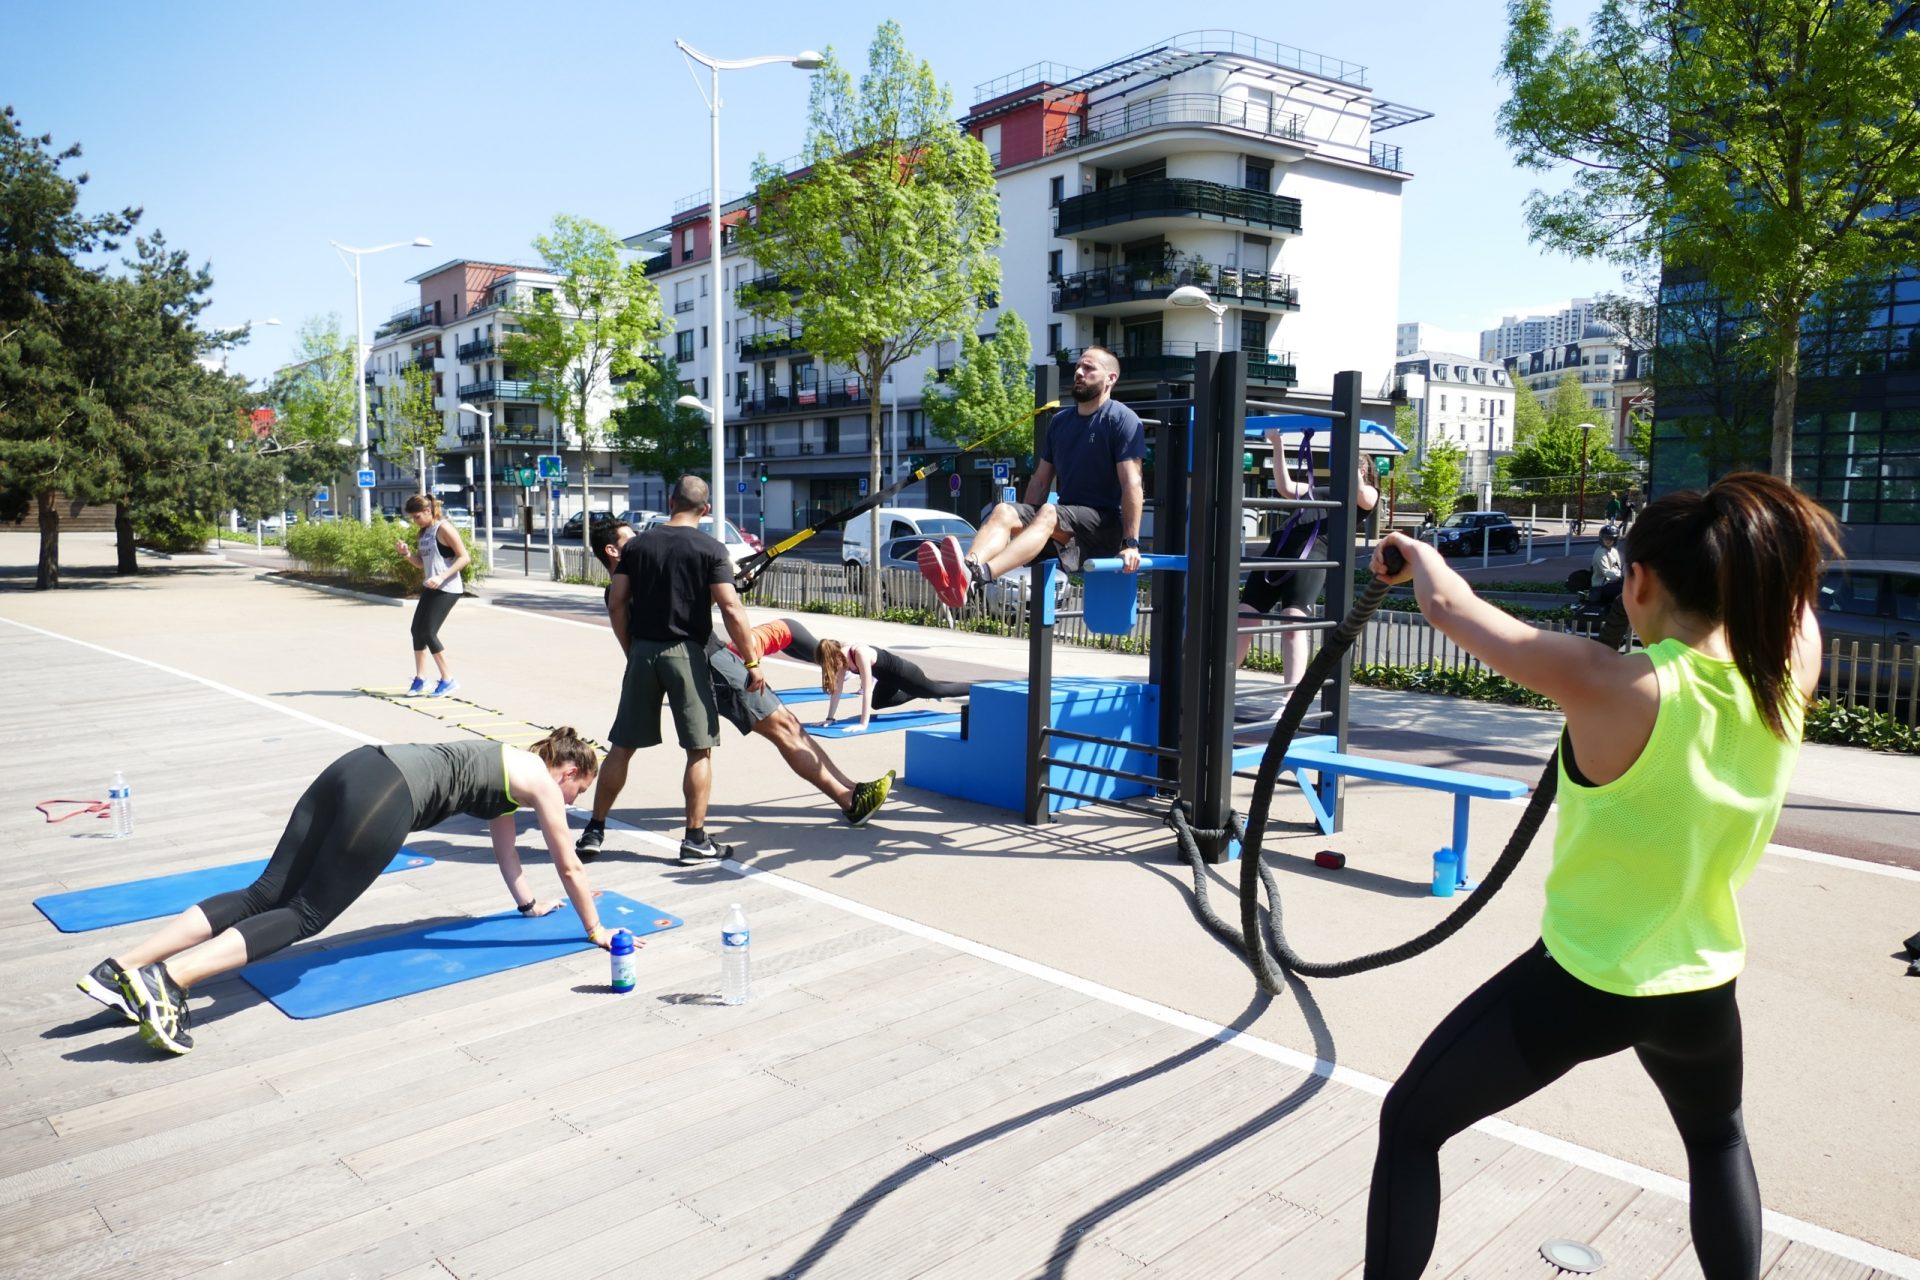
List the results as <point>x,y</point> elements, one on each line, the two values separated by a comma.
<point>895,680</point>
<point>1529,1025</point>
<point>804,647</point>
<point>343,833</point>
<point>432,610</point>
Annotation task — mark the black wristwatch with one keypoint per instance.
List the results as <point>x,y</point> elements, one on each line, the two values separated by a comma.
<point>1129,544</point>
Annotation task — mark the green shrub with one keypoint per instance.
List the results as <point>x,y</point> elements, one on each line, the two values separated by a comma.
<point>1843,726</point>
<point>170,534</point>
<point>367,553</point>
<point>1455,682</point>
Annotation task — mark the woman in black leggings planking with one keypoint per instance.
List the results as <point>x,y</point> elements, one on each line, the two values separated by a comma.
<point>886,679</point>
<point>440,556</point>
<point>344,831</point>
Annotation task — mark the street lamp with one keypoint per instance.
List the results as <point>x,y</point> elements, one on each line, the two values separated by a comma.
<point>1192,296</point>
<point>1586,433</point>
<point>486,463</point>
<point>806,61</point>
<point>360,351</point>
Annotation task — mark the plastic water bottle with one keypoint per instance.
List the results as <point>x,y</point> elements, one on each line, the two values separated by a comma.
<point>120,798</point>
<point>735,979</point>
<point>1446,872</point>
<point>621,945</point>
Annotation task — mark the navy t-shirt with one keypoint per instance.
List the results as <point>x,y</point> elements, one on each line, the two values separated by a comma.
<point>1086,449</point>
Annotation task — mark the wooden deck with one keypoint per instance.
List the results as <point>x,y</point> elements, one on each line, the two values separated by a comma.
<point>886,1105</point>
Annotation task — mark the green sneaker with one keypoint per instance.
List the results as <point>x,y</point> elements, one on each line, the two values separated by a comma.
<point>867,799</point>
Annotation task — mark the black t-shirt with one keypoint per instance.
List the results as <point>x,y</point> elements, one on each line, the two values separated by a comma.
<point>673,569</point>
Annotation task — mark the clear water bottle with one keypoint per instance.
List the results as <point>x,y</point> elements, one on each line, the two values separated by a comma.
<point>120,798</point>
<point>621,946</point>
<point>735,980</point>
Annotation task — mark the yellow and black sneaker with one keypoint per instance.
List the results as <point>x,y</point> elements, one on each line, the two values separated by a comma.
<point>164,1020</point>
<point>108,983</point>
<point>867,799</point>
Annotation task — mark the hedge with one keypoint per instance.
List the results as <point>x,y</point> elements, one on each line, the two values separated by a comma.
<point>366,552</point>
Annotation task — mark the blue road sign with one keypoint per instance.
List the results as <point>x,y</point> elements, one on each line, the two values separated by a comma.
<point>1002,473</point>
<point>953,484</point>
<point>365,476</point>
<point>321,496</point>
<point>1007,494</point>
<point>863,486</point>
<point>740,486</point>
<point>551,467</point>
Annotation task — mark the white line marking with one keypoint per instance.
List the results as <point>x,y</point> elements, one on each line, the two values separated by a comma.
<point>1872,1255</point>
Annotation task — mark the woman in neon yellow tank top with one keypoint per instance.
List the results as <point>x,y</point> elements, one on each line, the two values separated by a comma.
<point>1673,767</point>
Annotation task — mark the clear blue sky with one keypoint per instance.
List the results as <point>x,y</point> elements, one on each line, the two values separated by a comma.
<point>253,133</point>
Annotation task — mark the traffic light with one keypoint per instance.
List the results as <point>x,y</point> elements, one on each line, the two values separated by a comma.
<point>763,473</point>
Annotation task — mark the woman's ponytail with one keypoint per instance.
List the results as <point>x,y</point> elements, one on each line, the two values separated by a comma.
<point>564,746</point>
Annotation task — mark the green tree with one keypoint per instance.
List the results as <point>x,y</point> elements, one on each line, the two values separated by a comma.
<point>989,386</point>
<point>601,323</point>
<point>658,437</point>
<point>56,435</point>
<point>410,426</point>
<point>1550,459</point>
<point>1435,484</point>
<point>1528,416</point>
<point>1758,147</point>
<point>883,243</point>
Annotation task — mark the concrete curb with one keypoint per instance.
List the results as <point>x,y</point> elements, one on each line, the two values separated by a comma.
<point>278,578</point>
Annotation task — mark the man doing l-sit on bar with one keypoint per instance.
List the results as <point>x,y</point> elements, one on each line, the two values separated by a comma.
<point>1095,450</point>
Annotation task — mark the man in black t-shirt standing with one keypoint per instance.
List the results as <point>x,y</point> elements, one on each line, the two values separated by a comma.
<point>661,606</point>
<point>1095,449</point>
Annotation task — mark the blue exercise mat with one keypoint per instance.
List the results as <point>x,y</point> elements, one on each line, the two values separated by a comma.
<point>317,980</point>
<point>882,722</point>
<point>805,695</point>
<point>83,909</point>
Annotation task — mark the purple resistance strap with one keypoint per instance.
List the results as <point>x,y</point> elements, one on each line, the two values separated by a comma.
<point>1298,516</point>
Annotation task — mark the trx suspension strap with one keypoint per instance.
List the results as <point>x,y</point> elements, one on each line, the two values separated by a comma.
<point>748,571</point>
<point>1253,869</point>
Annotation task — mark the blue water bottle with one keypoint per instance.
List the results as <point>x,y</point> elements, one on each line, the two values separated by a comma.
<point>621,945</point>
<point>1446,872</point>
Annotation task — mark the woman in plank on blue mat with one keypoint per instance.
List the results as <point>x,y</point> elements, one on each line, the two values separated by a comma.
<point>886,679</point>
<point>344,831</point>
<point>1674,764</point>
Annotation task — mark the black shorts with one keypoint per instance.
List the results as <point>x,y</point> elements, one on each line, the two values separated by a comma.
<point>1271,589</point>
<point>1093,533</point>
<point>738,703</point>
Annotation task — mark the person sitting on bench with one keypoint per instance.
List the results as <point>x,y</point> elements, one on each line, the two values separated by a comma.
<point>886,679</point>
<point>343,833</point>
<point>1096,448</point>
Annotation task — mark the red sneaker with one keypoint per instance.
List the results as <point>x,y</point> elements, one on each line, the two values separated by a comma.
<point>959,573</point>
<point>933,570</point>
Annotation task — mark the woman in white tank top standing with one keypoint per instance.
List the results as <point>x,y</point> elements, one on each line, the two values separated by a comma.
<point>439,556</point>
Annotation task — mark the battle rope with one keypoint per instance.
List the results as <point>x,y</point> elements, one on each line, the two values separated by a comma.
<point>1253,868</point>
<point>748,571</point>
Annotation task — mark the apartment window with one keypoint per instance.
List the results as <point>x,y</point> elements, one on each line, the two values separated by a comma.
<point>1258,174</point>
<point>1253,333</point>
<point>740,385</point>
<point>683,345</point>
<point>703,283</point>
<point>1056,191</point>
<point>1056,259</point>
<point>1255,252</point>
<point>703,337</point>
<point>833,435</point>
<point>703,388</point>
<point>1053,338</point>
<point>1443,402</point>
<point>686,244</point>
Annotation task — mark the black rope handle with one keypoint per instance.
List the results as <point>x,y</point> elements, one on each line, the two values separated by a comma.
<point>1270,969</point>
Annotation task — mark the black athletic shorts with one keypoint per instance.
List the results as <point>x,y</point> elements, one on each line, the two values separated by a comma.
<point>1271,589</point>
<point>1093,533</point>
<point>739,704</point>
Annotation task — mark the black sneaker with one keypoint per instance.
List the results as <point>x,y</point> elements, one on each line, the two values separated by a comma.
<point>867,799</point>
<point>592,836</point>
<point>108,983</point>
<point>164,1020</point>
<point>706,852</point>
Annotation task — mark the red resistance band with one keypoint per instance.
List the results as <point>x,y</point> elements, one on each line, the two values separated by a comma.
<point>98,808</point>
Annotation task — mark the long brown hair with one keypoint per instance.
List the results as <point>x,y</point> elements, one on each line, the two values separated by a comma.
<point>421,502</point>
<point>564,746</point>
<point>1745,554</point>
<point>833,664</point>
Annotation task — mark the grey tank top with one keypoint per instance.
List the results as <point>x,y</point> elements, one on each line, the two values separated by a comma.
<point>435,561</point>
<point>445,778</point>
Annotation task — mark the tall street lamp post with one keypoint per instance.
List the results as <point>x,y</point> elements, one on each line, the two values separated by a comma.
<point>1586,434</point>
<point>360,350</point>
<point>486,463</point>
<point>1188,295</point>
<point>805,61</point>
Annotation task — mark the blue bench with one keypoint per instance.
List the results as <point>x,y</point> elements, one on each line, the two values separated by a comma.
<point>1319,755</point>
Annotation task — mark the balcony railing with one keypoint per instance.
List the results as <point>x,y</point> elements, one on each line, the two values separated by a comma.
<point>1176,198</point>
<point>659,262</point>
<point>499,389</point>
<point>515,300</point>
<point>1108,286</point>
<point>1174,360</point>
<point>409,320</point>
<point>484,349</point>
<point>759,285</point>
<point>1382,155</point>
<point>774,342</point>
<point>1171,110</point>
<point>786,398</point>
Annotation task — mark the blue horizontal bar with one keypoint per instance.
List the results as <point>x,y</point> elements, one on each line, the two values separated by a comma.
<point>1172,564</point>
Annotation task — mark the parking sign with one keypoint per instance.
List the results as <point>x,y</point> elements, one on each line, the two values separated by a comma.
<point>1002,473</point>
<point>740,486</point>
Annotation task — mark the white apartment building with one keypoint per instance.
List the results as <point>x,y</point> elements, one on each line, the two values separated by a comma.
<point>1461,399</point>
<point>1599,358</point>
<point>1517,335</point>
<point>1246,168</point>
<point>454,333</point>
<point>1414,336</point>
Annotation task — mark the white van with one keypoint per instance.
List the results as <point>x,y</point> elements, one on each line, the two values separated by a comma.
<point>856,548</point>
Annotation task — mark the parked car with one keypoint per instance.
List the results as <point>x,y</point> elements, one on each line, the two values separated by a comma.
<point>1465,532</point>
<point>738,548</point>
<point>1006,592</point>
<point>1870,602</point>
<point>577,521</point>
<point>459,516</point>
<point>898,522</point>
<point>638,519</point>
